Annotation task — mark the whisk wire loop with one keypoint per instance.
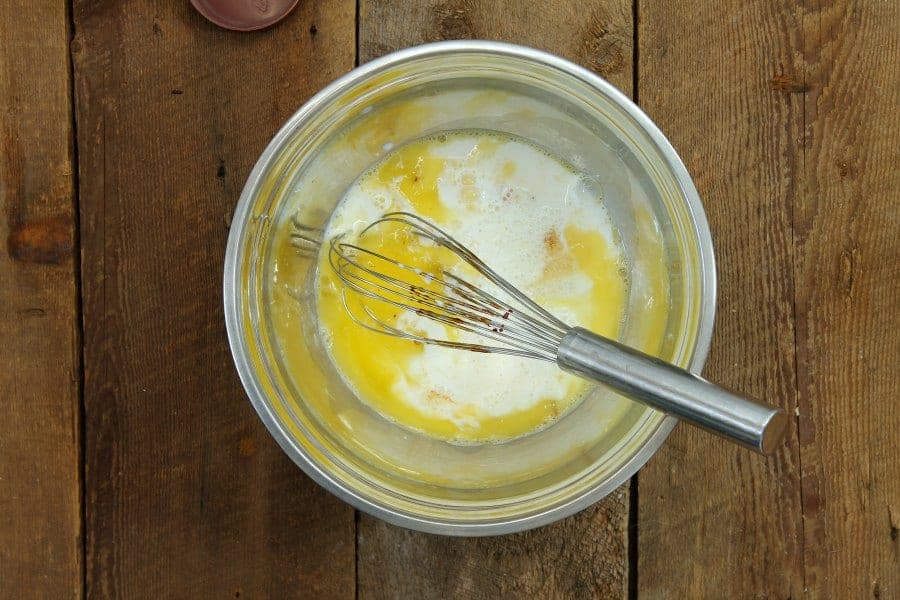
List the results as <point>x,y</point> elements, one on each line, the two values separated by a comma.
<point>520,326</point>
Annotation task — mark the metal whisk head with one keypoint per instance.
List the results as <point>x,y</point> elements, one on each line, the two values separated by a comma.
<point>506,320</point>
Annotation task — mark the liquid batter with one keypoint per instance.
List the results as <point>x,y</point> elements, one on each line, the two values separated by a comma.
<point>528,215</point>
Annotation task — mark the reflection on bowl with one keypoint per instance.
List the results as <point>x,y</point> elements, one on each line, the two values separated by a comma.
<point>393,472</point>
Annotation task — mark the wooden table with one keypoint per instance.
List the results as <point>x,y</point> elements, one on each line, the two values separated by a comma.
<point>131,462</point>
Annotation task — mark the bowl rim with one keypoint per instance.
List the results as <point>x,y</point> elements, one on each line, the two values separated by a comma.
<point>232,286</point>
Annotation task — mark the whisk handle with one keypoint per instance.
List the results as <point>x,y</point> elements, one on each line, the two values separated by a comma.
<point>673,390</point>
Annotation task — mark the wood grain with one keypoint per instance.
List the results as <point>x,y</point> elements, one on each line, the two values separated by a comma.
<point>596,34</point>
<point>716,521</point>
<point>786,115</point>
<point>585,556</point>
<point>847,237</point>
<point>186,493</point>
<point>40,353</point>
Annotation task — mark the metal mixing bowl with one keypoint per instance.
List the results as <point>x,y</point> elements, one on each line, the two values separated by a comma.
<point>393,473</point>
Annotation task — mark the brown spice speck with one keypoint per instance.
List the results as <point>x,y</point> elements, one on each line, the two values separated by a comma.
<point>436,396</point>
<point>551,240</point>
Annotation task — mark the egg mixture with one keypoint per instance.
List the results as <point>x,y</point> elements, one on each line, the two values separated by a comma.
<point>530,217</point>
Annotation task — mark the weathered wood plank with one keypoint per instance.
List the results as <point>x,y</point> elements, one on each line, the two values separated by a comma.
<point>847,238</point>
<point>40,354</point>
<point>186,493</point>
<point>716,521</point>
<point>585,556</point>
<point>596,34</point>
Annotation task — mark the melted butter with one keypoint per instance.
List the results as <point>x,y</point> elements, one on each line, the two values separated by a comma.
<point>386,124</point>
<point>585,253</point>
<point>416,174</point>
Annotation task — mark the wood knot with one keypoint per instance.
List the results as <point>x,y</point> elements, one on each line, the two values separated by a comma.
<point>787,85</point>
<point>844,168</point>
<point>43,241</point>
<point>247,447</point>
<point>453,21</point>
<point>602,49</point>
<point>849,262</point>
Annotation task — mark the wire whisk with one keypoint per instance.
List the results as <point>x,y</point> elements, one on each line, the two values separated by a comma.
<point>506,321</point>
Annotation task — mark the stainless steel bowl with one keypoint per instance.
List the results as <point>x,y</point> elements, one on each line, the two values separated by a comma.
<point>397,475</point>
